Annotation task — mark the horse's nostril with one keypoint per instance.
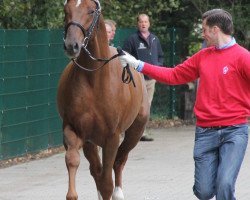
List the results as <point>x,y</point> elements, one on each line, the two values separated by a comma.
<point>72,49</point>
<point>76,48</point>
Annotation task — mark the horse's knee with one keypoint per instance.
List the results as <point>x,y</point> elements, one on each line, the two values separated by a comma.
<point>72,158</point>
<point>144,113</point>
<point>95,172</point>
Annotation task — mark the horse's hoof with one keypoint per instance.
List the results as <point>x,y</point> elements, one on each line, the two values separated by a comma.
<point>117,194</point>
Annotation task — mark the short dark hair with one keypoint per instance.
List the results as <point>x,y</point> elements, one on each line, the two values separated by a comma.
<point>220,18</point>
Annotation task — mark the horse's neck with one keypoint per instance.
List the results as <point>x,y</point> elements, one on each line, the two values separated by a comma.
<point>99,49</point>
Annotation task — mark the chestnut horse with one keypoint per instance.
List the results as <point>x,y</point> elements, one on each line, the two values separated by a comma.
<point>94,104</point>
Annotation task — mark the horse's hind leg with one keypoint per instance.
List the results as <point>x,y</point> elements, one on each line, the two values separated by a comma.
<point>72,158</point>
<point>132,136</point>
<point>91,153</point>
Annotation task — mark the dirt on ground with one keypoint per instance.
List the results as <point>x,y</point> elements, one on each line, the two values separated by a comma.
<point>30,157</point>
<point>152,124</point>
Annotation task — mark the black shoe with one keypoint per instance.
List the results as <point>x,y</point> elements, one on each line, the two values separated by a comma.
<point>146,139</point>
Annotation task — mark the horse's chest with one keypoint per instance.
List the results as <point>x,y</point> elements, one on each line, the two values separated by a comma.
<point>94,127</point>
<point>94,119</point>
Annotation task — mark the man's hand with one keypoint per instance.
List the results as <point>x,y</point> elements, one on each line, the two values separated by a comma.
<point>128,59</point>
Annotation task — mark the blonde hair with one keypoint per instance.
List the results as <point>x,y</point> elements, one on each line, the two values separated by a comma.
<point>111,22</point>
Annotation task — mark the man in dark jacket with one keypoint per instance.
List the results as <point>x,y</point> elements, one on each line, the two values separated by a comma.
<point>145,46</point>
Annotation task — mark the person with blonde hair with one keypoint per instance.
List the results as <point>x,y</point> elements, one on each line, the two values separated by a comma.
<point>112,24</point>
<point>109,32</point>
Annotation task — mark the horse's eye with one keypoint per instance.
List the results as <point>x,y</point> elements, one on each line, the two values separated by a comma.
<point>91,12</point>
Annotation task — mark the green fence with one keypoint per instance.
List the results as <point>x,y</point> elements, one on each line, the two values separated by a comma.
<point>168,100</point>
<point>121,35</point>
<point>31,62</point>
<point>30,65</point>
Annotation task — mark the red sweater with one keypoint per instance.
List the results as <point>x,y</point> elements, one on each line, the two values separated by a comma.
<point>223,96</point>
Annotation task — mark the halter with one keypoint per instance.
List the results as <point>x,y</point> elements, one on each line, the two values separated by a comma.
<point>87,33</point>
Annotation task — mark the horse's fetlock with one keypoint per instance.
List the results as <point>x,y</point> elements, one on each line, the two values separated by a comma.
<point>71,197</point>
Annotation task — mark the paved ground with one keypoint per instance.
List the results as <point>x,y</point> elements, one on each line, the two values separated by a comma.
<point>159,170</point>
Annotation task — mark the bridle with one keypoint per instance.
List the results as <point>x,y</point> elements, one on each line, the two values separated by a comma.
<point>88,33</point>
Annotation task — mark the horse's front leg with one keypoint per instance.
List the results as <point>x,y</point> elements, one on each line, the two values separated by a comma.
<point>91,152</point>
<point>109,151</point>
<point>72,144</point>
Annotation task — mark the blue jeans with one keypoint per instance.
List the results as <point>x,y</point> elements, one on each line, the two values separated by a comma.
<point>218,154</point>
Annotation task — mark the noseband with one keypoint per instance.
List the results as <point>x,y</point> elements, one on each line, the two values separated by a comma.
<point>87,35</point>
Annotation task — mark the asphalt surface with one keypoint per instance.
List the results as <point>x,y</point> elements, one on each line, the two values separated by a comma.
<point>158,170</point>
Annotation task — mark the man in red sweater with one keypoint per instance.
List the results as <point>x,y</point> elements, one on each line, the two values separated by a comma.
<point>222,104</point>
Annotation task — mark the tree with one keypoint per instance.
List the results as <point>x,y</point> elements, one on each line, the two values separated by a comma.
<point>186,14</point>
<point>125,12</point>
<point>31,14</point>
<point>49,14</point>
<point>240,13</point>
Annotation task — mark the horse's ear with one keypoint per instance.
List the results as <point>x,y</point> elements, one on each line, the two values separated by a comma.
<point>98,5</point>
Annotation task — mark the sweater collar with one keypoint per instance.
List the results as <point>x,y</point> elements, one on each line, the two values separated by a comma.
<point>229,44</point>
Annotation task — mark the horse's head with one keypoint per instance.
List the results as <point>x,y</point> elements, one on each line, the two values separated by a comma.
<point>81,18</point>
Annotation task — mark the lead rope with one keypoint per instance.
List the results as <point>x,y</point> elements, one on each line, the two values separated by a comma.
<point>96,59</point>
<point>126,70</point>
<point>127,75</point>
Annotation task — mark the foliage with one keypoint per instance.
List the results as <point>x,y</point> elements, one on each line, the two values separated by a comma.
<point>185,14</point>
<point>18,14</point>
<point>126,12</point>
<point>240,12</point>
<point>49,14</point>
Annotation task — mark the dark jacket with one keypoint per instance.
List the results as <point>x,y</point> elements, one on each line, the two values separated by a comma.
<point>149,51</point>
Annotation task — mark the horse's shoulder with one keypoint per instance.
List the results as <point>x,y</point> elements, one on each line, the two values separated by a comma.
<point>112,50</point>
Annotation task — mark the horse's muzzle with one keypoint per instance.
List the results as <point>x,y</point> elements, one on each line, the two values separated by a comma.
<point>72,49</point>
